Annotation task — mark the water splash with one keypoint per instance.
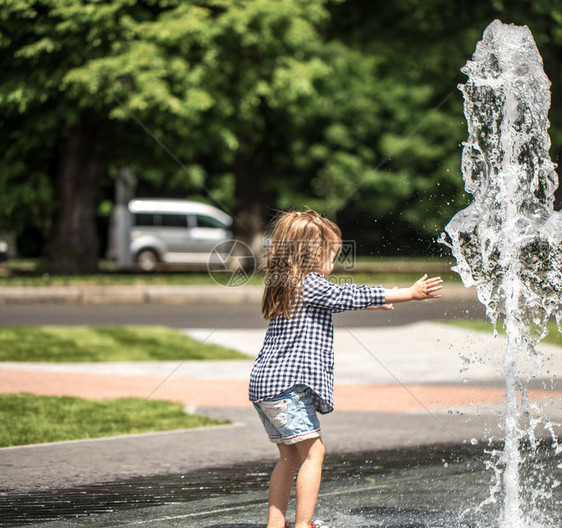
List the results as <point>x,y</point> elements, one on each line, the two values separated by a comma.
<point>508,242</point>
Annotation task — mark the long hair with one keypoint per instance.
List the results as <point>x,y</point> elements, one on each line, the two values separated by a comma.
<point>300,242</point>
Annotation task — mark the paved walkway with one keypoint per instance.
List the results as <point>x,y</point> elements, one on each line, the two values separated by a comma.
<point>419,384</point>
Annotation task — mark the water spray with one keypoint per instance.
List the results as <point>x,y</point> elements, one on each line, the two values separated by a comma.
<point>508,242</point>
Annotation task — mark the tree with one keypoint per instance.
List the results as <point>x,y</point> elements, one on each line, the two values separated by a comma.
<point>148,84</point>
<point>349,107</point>
<point>82,80</point>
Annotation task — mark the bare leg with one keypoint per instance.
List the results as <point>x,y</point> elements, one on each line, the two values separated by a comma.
<point>311,454</point>
<point>280,485</point>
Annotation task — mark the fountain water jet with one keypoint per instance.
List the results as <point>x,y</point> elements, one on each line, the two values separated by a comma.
<point>508,242</point>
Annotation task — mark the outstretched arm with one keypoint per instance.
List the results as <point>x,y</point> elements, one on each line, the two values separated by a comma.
<point>422,289</point>
<point>321,293</point>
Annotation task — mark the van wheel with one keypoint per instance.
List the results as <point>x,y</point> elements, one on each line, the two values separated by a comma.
<point>147,260</point>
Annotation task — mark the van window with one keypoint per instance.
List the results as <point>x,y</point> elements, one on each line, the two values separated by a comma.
<point>174,220</point>
<point>144,219</point>
<point>209,221</point>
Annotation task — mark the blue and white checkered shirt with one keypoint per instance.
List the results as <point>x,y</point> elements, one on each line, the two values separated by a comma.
<point>300,350</point>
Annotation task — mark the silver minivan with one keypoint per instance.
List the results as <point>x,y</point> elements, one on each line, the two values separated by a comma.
<point>177,232</point>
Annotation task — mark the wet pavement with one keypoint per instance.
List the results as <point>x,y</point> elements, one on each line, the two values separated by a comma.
<point>398,488</point>
<point>210,496</point>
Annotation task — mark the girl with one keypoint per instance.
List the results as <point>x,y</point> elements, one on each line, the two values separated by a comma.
<point>292,377</point>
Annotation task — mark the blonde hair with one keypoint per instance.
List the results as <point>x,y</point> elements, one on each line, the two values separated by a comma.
<point>300,242</point>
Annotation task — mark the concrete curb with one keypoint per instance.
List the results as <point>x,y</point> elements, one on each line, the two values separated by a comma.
<point>127,294</point>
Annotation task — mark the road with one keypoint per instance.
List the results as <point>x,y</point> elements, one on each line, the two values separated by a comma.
<point>225,315</point>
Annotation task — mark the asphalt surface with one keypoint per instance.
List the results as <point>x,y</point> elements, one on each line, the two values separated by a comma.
<point>201,314</point>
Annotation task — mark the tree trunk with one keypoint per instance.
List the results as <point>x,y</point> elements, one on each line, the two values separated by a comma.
<point>74,248</point>
<point>251,212</point>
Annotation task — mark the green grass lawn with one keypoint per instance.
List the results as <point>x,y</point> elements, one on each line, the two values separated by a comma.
<point>114,279</point>
<point>554,337</point>
<point>123,343</point>
<point>31,419</point>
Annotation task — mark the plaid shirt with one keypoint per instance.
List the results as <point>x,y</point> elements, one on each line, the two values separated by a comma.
<point>300,350</point>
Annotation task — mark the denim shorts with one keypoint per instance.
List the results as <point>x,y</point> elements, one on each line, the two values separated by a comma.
<point>289,417</point>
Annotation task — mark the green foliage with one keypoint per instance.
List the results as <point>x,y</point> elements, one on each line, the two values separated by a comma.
<point>350,107</point>
<point>32,419</point>
<point>123,343</point>
<point>423,45</point>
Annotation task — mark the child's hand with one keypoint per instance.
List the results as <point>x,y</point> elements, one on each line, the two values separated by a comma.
<point>426,288</point>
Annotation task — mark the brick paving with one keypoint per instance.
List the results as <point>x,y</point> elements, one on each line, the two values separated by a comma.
<point>195,393</point>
